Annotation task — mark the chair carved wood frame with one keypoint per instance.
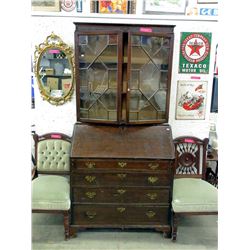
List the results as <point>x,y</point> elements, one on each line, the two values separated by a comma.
<point>190,165</point>
<point>52,159</point>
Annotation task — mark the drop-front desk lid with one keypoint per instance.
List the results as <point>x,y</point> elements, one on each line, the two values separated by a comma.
<point>142,142</point>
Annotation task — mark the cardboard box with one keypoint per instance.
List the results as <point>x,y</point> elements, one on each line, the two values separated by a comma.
<point>52,83</point>
<point>49,71</point>
<point>66,85</point>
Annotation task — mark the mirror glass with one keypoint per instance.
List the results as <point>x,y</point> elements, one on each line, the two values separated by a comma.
<point>54,70</point>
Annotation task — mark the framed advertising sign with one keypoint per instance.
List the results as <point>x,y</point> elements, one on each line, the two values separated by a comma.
<point>45,5</point>
<point>195,52</point>
<point>165,6</point>
<point>191,100</point>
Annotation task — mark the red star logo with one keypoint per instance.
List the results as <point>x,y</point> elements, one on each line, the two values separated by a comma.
<point>195,48</point>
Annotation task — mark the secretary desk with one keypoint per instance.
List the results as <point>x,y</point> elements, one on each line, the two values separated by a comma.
<point>122,152</point>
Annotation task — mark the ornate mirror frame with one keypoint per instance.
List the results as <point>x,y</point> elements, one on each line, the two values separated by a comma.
<point>54,42</point>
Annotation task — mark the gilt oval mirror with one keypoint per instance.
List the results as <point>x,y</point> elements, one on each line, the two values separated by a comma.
<point>54,70</point>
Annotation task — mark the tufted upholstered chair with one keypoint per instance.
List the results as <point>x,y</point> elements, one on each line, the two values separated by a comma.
<point>50,188</point>
<point>192,195</point>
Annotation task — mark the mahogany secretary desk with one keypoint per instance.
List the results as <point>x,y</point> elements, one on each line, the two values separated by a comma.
<point>122,148</point>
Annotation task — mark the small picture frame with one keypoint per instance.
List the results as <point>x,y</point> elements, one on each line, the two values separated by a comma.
<point>46,5</point>
<point>113,7</point>
<point>165,6</point>
<point>207,1</point>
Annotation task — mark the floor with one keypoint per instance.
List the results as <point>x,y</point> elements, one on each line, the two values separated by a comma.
<point>195,233</point>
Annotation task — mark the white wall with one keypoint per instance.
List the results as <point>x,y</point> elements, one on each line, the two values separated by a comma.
<point>48,118</point>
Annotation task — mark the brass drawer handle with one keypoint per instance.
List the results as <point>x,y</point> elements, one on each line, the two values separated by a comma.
<point>122,164</point>
<point>90,195</point>
<point>121,209</point>
<point>90,164</point>
<point>90,178</point>
<point>121,191</point>
<point>153,166</point>
<point>122,176</point>
<point>152,179</point>
<point>152,196</point>
<point>150,214</point>
<point>90,214</point>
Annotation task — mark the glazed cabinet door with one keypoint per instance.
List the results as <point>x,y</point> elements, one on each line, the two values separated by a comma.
<point>149,76</point>
<point>98,71</point>
<point>123,73</point>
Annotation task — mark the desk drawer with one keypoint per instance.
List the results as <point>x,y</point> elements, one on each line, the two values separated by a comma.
<point>121,194</point>
<point>120,179</point>
<point>122,215</point>
<point>80,164</point>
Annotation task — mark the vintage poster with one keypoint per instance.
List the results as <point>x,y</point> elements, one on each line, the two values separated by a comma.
<point>115,6</point>
<point>195,52</point>
<point>191,100</point>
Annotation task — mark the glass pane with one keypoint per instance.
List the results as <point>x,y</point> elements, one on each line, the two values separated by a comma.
<point>136,40</point>
<point>148,78</point>
<point>147,113</point>
<point>112,79</point>
<point>138,57</point>
<point>112,116</point>
<point>133,116</point>
<point>163,79</point>
<point>134,79</point>
<point>90,47</point>
<point>97,43</point>
<point>84,113</point>
<point>108,99</point>
<point>161,58</point>
<point>160,100</point>
<point>109,57</point>
<point>151,44</point>
<point>134,100</point>
<point>161,115</point>
<point>98,112</point>
<point>98,77</point>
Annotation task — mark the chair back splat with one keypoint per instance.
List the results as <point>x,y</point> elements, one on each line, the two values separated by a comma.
<point>190,157</point>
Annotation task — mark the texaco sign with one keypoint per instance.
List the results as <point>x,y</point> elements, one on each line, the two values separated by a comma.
<point>195,53</point>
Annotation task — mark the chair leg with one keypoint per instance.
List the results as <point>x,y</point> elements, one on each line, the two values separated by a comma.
<point>174,226</point>
<point>66,216</point>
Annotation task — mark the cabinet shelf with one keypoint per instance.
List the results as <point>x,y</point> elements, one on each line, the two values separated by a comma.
<point>109,59</point>
<point>55,75</point>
